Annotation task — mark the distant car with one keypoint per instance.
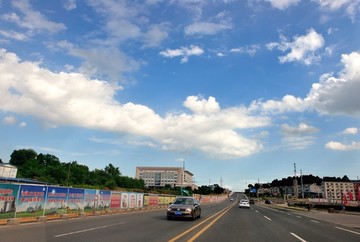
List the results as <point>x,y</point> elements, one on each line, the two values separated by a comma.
<point>244,203</point>
<point>184,207</point>
<point>251,201</point>
<point>268,201</point>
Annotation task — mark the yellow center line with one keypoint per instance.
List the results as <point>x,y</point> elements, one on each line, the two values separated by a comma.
<point>192,228</point>
<point>208,226</point>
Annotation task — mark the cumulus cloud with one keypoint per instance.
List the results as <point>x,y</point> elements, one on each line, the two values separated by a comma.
<point>351,7</point>
<point>72,99</point>
<point>351,131</point>
<point>302,49</point>
<point>330,96</point>
<point>183,52</point>
<point>282,4</point>
<point>333,145</point>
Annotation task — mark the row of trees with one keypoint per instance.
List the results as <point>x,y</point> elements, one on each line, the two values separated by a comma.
<point>49,169</point>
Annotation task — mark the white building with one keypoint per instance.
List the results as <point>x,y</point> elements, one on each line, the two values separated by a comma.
<point>337,189</point>
<point>161,176</point>
<point>8,171</point>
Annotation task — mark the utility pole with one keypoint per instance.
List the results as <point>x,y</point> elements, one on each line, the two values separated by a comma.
<point>302,184</point>
<point>296,188</point>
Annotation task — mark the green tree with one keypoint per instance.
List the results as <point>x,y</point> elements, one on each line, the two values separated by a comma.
<point>20,157</point>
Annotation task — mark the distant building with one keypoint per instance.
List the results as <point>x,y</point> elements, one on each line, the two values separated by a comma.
<point>161,176</point>
<point>7,170</point>
<point>336,190</point>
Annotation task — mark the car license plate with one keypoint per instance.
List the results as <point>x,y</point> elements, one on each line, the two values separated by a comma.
<point>178,213</point>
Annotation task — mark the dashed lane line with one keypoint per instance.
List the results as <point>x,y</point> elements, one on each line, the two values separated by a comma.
<point>347,230</point>
<point>298,237</point>
<point>86,230</point>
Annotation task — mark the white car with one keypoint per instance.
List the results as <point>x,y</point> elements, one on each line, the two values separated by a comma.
<point>244,203</point>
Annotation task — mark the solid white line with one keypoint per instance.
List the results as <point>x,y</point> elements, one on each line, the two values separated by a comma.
<point>86,230</point>
<point>348,230</point>
<point>314,221</point>
<point>267,218</point>
<point>298,237</point>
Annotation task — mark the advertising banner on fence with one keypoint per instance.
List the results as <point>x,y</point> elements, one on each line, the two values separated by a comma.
<point>124,200</point>
<point>75,202</point>
<point>91,200</point>
<point>55,202</point>
<point>104,200</point>
<point>132,200</point>
<point>31,201</point>
<point>8,195</point>
<point>140,200</point>
<point>115,200</point>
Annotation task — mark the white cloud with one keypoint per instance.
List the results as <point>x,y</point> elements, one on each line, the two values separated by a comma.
<point>155,35</point>
<point>72,99</point>
<point>351,131</point>
<point>97,63</point>
<point>202,106</point>
<point>298,137</point>
<point>22,125</point>
<point>206,28</point>
<point>9,120</point>
<point>282,4</point>
<point>333,145</point>
<point>32,20</point>
<point>302,48</point>
<point>70,5</point>
<point>330,96</point>
<point>351,7</point>
<point>339,95</point>
<point>14,35</point>
<point>301,129</point>
<point>251,50</point>
<point>184,52</point>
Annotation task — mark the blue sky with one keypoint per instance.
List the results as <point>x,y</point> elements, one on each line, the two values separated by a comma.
<point>239,91</point>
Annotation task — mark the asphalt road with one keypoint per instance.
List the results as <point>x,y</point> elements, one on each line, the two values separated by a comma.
<point>220,222</point>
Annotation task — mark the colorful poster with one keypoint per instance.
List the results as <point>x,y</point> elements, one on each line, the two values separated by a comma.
<point>132,198</point>
<point>140,200</point>
<point>8,195</point>
<point>115,200</point>
<point>91,200</point>
<point>146,200</point>
<point>104,200</point>
<point>75,202</point>
<point>31,201</point>
<point>124,200</point>
<point>55,202</point>
<point>153,200</point>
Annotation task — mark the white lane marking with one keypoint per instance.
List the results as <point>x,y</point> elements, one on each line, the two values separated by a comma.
<point>314,221</point>
<point>267,218</point>
<point>298,237</point>
<point>86,230</point>
<point>257,211</point>
<point>289,214</point>
<point>298,216</point>
<point>347,230</point>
